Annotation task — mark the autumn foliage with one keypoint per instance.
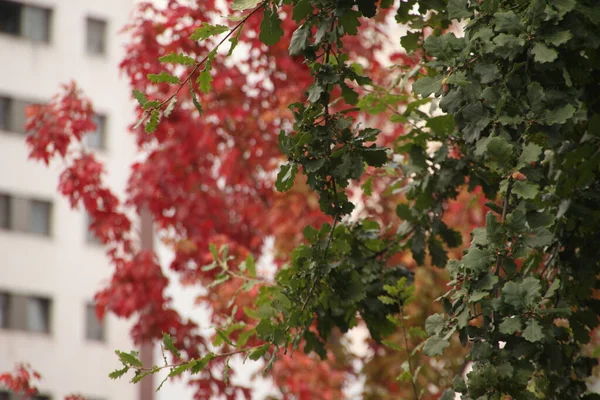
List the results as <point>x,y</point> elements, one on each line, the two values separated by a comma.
<point>208,179</point>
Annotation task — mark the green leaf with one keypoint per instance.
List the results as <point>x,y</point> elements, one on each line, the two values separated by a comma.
<point>533,332</point>
<point>449,394</point>
<point>560,115</point>
<point>368,8</point>
<point>241,5</point>
<point>199,365</point>
<point>219,279</point>
<point>235,39</point>
<point>259,352</point>
<point>435,324</point>
<point>204,80</point>
<point>251,266</point>
<point>349,95</point>
<point>508,22</point>
<point>445,48</point>
<point>531,154</point>
<point>458,78</point>
<point>392,345</point>
<point>302,9</point>
<point>439,258</point>
<point>129,359</point>
<point>564,6</point>
<point>270,27</point>
<point>349,21</point>
<point>386,300</point>
<point>435,346</point>
<point>195,98</point>
<point>558,38</point>
<point>374,156</point>
<point>541,237</point>
<point>427,85</point>
<point>174,58</point>
<point>457,9</point>
<point>479,237</point>
<point>543,54</point>
<point>525,190</point>
<point>206,30</point>
<point>286,176</point>
<point>478,260</point>
<point>181,368</point>
<point>299,40</point>
<point>553,288</point>
<point>140,97</point>
<point>170,107</point>
<point>522,295</point>
<point>314,92</point>
<point>508,46</point>
<point>152,123</point>
<point>118,373</point>
<point>163,77</point>
<point>487,72</point>
<point>499,153</point>
<point>417,246</point>
<point>510,325</point>
<point>410,41</point>
<point>168,342</point>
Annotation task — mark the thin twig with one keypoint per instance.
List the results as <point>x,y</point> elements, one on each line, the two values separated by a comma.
<point>201,62</point>
<point>314,282</point>
<point>406,346</point>
<point>503,217</point>
<point>215,357</point>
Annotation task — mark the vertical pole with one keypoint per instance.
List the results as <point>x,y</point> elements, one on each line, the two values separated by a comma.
<point>146,386</point>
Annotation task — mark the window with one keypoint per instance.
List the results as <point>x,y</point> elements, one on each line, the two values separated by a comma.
<point>25,20</point>
<point>25,215</point>
<point>26,313</point>
<point>94,327</point>
<point>39,217</point>
<point>38,314</point>
<point>96,139</point>
<point>96,36</point>
<point>4,308</point>
<point>4,395</point>
<point>90,236</point>
<point>12,114</point>
<point>36,23</point>
<point>4,211</point>
<point>10,17</point>
<point>4,113</point>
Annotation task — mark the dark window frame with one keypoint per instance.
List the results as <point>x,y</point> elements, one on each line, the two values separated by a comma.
<point>47,231</point>
<point>91,47</point>
<point>94,325</point>
<point>5,309</point>
<point>18,12</point>
<point>17,312</point>
<point>99,141</point>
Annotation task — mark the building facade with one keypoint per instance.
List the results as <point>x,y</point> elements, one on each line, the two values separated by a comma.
<point>50,266</point>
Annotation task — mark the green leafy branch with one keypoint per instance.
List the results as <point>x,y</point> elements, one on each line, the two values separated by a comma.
<point>131,361</point>
<point>152,108</point>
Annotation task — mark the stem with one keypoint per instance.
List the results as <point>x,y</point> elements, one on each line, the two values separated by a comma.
<point>201,62</point>
<point>406,346</point>
<point>505,206</point>
<point>314,283</point>
<point>503,217</point>
<point>216,356</point>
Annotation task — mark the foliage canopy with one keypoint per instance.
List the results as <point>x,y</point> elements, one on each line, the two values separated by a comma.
<point>520,131</point>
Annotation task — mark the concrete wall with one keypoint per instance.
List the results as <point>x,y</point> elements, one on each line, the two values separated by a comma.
<point>64,266</point>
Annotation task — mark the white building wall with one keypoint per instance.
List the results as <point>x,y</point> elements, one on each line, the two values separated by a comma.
<point>64,266</point>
